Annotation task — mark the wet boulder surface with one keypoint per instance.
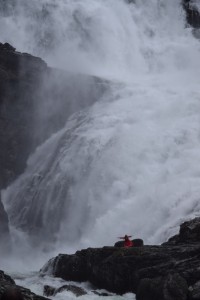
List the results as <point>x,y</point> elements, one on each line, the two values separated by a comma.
<point>8,287</point>
<point>166,272</point>
<point>52,291</point>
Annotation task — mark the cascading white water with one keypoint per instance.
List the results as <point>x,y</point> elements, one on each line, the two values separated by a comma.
<point>96,37</point>
<point>129,163</point>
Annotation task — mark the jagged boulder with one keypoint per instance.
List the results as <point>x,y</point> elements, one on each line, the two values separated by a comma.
<point>8,288</point>
<point>48,290</point>
<point>76,290</point>
<point>189,233</point>
<point>4,278</point>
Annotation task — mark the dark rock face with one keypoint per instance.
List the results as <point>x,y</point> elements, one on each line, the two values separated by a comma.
<point>5,278</point>
<point>167,272</point>
<point>12,294</point>
<point>194,291</point>
<point>35,101</point>
<point>3,220</point>
<point>18,80</point>
<point>189,233</point>
<point>192,14</point>
<point>170,287</point>
<point>48,290</point>
<point>4,230</point>
<point>10,291</point>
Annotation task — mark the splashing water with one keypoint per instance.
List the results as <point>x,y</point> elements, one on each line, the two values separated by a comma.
<point>129,163</point>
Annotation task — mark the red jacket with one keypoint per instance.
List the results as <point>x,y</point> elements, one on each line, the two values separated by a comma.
<point>128,243</point>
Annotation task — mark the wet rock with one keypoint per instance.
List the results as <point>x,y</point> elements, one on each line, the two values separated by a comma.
<point>119,244</point>
<point>20,78</point>
<point>49,290</point>
<point>10,291</point>
<point>12,294</point>
<point>7,47</point>
<point>192,13</point>
<point>101,294</point>
<point>4,230</point>
<point>170,287</point>
<point>143,270</point>
<point>4,278</point>
<point>120,270</point>
<point>76,290</point>
<point>189,233</point>
<point>194,291</point>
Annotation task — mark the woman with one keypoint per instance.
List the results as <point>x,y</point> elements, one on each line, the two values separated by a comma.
<point>127,241</point>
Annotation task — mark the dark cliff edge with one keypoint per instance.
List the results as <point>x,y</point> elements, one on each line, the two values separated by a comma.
<point>4,230</point>
<point>35,102</point>
<point>192,13</point>
<point>170,271</point>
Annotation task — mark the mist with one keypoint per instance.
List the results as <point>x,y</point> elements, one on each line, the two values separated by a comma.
<point>125,157</point>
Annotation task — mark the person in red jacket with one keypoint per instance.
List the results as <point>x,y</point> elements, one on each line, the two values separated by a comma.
<point>127,241</point>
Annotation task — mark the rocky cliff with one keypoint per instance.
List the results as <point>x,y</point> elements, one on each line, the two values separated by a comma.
<point>35,101</point>
<point>4,230</point>
<point>192,13</point>
<point>167,272</point>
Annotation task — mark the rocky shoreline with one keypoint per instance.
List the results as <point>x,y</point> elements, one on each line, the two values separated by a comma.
<point>167,272</point>
<point>170,271</point>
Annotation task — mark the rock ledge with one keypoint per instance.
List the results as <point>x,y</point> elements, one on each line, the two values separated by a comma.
<point>167,272</point>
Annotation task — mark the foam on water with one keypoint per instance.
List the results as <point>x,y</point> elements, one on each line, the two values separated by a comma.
<point>36,284</point>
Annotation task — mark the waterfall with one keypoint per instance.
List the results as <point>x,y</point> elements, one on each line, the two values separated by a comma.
<point>128,163</point>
